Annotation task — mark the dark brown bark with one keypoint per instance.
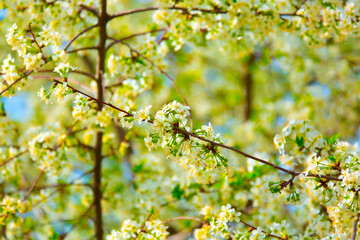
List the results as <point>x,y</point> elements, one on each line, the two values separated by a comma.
<point>248,86</point>
<point>355,226</point>
<point>100,69</point>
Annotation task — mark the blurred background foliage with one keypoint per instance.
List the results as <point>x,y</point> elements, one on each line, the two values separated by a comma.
<point>247,89</point>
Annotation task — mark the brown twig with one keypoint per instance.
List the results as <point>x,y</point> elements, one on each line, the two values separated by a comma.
<point>66,135</point>
<point>84,86</point>
<point>79,34</point>
<point>355,226</point>
<point>90,9</point>
<point>34,39</point>
<point>12,158</point>
<point>146,9</point>
<point>82,49</point>
<point>118,83</point>
<point>294,14</point>
<point>31,71</point>
<point>143,226</point>
<point>60,185</point>
<point>63,236</point>
<point>168,76</point>
<point>73,71</point>
<point>16,81</point>
<point>132,36</point>
<point>252,228</point>
<point>291,172</point>
<point>73,181</point>
<point>184,9</point>
<point>93,98</point>
<point>43,170</point>
<point>185,218</point>
<point>163,36</point>
<point>33,185</point>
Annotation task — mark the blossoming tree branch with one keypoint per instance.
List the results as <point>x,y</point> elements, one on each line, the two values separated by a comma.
<point>177,119</point>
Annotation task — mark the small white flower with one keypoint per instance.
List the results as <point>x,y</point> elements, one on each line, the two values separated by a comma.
<point>64,69</point>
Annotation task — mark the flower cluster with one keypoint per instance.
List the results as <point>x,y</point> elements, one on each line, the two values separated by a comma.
<point>299,138</point>
<point>261,35</point>
<point>63,69</point>
<point>10,207</point>
<point>81,107</point>
<point>218,226</point>
<point>25,47</point>
<point>43,146</point>
<point>202,160</point>
<point>45,95</point>
<point>316,22</point>
<point>324,157</point>
<point>31,47</point>
<point>143,115</point>
<point>129,90</point>
<point>59,90</point>
<point>153,229</point>
<point>10,72</point>
<point>105,117</point>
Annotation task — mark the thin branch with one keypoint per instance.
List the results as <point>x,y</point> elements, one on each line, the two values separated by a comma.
<point>355,226</point>
<point>204,223</point>
<point>168,76</point>
<point>43,170</point>
<point>291,172</point>
<point>73,181</point>
<point>163,36</point>
<point>80,145</point>
<point>184,9</point>
<point>60,185</point>
<point>49,3</point>
<point>78,221</point>
<point>132,36</point>
<point>12,158</point>
<point>185,218</point>
<point>73,71</point>
<point>66,135</point>
<point>90,9</point>
<point>82,49</point>
<point>69,80</point>
<point>299,6</point>
<point>16,81</point>
<point>143,226</point>
<point>36,42</point>
<point>78,130</point>
<point>33,185</point>
<point>93,98</point>
<point>31,71</point>
<point>252,228</point>
<point>119,83</point>
<point>79,34</point>
<point>258,159</point>
<point>146,9</point>
<point>294,14</point>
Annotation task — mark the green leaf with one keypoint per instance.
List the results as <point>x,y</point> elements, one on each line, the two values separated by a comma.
<point>331,140</point>
<point>332,159</point>
<point>300,141</point>
<point>138,168</point>
<point>54,235</point>
<point>177,192</point>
